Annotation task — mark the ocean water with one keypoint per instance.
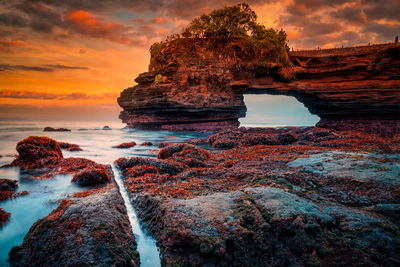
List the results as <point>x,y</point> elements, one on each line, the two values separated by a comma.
<point>44,194</point>
<point>265,110</point>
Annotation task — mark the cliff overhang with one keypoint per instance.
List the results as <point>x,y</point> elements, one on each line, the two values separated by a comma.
<point>349,88</point>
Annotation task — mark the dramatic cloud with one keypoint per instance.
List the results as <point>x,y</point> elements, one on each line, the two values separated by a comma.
<point>84,23</point>
<point>50,96</point>
<point>323,22</point>
<point>44,68</point>
<point>12,19</point>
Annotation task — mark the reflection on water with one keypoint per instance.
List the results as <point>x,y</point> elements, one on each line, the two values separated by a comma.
<point>43,194</point>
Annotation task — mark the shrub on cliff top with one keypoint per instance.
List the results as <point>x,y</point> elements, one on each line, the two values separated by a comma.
<point>231,32</point>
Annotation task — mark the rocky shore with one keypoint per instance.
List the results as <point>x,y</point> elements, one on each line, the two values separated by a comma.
<point>88,228</point>
<point>272,197</point>
<point>303,196</point>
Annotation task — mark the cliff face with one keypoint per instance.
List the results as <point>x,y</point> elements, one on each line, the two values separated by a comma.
<point>350,88</point>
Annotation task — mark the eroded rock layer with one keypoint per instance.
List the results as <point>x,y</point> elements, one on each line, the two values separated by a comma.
<point>349,88</point>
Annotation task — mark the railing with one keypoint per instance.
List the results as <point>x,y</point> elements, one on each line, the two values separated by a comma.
<point>341,51</point>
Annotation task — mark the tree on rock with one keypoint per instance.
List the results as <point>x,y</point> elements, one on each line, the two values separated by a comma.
<point>232,32</point>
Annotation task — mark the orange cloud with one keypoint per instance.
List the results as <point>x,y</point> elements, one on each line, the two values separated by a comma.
<point>86,24</point>
<point>159,20</point>
<point>48,96</point>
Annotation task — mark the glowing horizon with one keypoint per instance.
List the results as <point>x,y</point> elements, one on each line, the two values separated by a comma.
<point>74,56</point>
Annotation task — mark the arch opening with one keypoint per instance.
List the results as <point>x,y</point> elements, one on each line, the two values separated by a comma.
<point>266,110</point>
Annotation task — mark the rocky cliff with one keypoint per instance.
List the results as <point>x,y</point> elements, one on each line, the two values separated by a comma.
<point>349,88</point>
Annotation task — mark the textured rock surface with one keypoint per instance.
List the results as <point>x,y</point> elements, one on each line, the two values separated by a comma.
<point>69,147</point>
<point>37,152</point>
<point>350,88</point>
<point>272,197</point>
<point>88,231</point>
<point>265,226</point>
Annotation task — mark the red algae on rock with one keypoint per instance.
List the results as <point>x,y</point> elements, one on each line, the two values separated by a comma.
<point>37,152</point>
<point>126,145</point>
<point>3,216</point>
<point>146,144</point>
<point>92,175</point>
<point>69,147</point>
<point>91,229</point>
<point>246,205</point>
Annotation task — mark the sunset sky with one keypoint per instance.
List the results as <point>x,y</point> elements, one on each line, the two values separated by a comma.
<point>70,59</point>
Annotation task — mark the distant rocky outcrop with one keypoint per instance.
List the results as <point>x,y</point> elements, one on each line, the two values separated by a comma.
<point>51,129</point>
<point>349,88</point>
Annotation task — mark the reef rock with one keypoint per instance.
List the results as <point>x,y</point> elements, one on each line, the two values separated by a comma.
<point>92,230</point>
<point>69,147</point>
<point>93,175</point>
<point>349,88</point>
<point>126,145</point>
<point>266,226</point>
<point>37,152</point>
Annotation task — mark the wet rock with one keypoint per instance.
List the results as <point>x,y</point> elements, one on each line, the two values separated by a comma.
<point>163,166</point>
<point>163,144</point>
<point>185,153</point>
<point>286,139</point>
<point>3,217</point>
<point>197,141</point>
<point>93,230</point>
<point>51,129</point>
<point>126,145</point>
<point>140,170</point>
<point>8,185</point>
<point>70,147</point>
<point>107,128</point>
<point>93,175</point>
<point>146,144</point>
<point>265,226</point>
<point>37,152</point>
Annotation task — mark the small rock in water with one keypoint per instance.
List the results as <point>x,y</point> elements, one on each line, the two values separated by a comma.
<point>51,129</point>
<point>37,152</point>
<point>126,145</point>
<point>147,144</point>
<point>69,147</point>
<point>8,185</point>
<point>106,128</point>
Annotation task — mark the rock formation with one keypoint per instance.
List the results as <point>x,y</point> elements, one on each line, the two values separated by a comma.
<point>348,88</point>
<point>292,196</point>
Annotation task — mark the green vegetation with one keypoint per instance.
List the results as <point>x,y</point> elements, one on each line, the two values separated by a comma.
<point>158,79</point>
<point>231,32</point>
